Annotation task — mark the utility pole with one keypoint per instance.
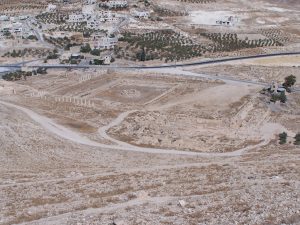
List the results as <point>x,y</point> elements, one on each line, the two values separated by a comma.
<point>23,52</point>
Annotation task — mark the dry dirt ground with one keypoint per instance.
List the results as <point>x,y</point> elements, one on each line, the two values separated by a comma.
<point>148,148</point>
<point>260,70</point>
<point>138,147</point>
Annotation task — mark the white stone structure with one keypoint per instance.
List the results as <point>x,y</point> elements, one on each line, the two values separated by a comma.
<point>4,18</point>
<point>23,17</point>
<point>105,42</point>
<point>88,10</point>
<point>76,18</point>
<point>95,21</point>
<point>141,15</point>
<point>106,59</point>
<point>228,21</point>
<point>51,8</point>
<point>115,4</point>
<point>90,2</point>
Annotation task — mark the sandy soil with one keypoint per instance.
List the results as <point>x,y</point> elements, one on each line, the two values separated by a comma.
<point>188,146</point>
<point>51,180</point>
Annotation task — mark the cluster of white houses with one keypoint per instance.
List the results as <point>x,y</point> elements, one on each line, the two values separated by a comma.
<point>94,20</point>
<point>13,26</point>
<point>93,17</point>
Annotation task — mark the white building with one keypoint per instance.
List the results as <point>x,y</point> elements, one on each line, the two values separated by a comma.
<point>51,8</point>
<point>4,18</point>
<point>76,18</point>
<point>91,24</point>
<point>23,17</point>
<point>104,13</point>
<point>228,21</point>
<point>88,10</point>
<point>106,59</point>
<point>5,29</point>
<point>141,15</point>
<point>115,4</point>
<point>90,2</point>
<point>96,21</point>
<point>105,42</point>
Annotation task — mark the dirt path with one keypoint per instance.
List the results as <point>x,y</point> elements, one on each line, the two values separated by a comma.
<point>70,135</point>
<point>227,80</point>
<point>140,200</point>
<point>102,130</point>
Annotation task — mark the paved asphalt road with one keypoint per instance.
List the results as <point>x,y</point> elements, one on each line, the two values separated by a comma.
<point>208,62</point>
<point>214,61</point>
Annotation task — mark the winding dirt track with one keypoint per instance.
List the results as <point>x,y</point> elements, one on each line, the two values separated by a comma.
<point>268,130</point>
<point>102,130</point>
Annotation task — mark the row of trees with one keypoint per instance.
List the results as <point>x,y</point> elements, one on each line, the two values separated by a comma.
<point>231,42</point>
<point>18,75</point>
<point>165,44</point>
<point>54,18</point>
<point>275,34</point>
<point>27,52</point>
<point>164,12</point>
<point>170,46</point>
<point>65,42</point>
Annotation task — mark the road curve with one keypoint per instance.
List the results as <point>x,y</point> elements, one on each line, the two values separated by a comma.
<point>103,130</point>
<point>70,135</point>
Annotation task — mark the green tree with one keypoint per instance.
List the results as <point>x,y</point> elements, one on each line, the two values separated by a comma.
<point>282,138</point>
<point>289,81</point>
<point>143,55</point>
<point>85,48</point>
<point>41,70</point>
<point>297,139</point>
<point>98,62</point>
<point>96,52</point>
<point>282,97</point>
<point>14,53</point>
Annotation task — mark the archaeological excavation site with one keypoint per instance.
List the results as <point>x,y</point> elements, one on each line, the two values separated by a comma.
<point>128,112</point>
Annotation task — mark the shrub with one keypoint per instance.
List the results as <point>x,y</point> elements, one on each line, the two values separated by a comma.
<point>85,48</point>
<point>96,52</point>
<point>281,97</point>
<point>74,61</point>
<point>297,139</point>
<point>98,62</point>
<point>41,70</point>
<point>289,81</point>
<point>282,138</point>
<point>32,37</point>
<point>52,56</point>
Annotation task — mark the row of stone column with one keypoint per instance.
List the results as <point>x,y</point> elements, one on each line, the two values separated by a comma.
<point>75,100</point>
<point>88,77</point>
